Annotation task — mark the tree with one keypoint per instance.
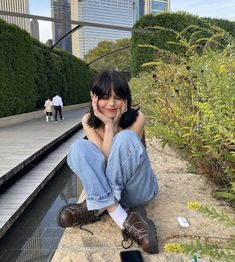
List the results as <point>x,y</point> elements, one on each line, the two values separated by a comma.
<point>118,60</point>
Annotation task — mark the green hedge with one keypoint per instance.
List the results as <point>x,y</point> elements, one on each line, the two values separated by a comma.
<point>30,71</point>
<point>227,25</point>
<point>191,106</point>
<point>17,63</point>
<point>176,22</point>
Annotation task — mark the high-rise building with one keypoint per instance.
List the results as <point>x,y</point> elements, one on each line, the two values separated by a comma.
<point>18,6</point>
<point>34,28</point>
<point>139,9</point>
<point>110,12</point>
<point>60,9</point>
<point>156,6</point>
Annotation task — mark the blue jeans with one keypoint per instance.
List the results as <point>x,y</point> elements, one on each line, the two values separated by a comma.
<point>127,176</point>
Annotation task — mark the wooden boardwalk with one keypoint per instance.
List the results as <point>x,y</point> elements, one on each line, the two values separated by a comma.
<point>22,143</point>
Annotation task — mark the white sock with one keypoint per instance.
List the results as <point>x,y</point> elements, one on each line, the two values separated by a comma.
<point>100,211</point>
<point>119,215</point>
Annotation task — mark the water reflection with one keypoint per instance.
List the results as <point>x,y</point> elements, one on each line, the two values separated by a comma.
<point>35,235</point>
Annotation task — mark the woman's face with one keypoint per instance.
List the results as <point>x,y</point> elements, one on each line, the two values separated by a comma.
<point>108,105</point>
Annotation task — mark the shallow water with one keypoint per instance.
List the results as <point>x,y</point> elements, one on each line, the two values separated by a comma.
<point>35,235</point>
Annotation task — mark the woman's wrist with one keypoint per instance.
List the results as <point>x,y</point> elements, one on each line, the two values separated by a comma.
<point>109,127</point>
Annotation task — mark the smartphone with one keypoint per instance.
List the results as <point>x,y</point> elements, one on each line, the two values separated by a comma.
<point>131,256</point>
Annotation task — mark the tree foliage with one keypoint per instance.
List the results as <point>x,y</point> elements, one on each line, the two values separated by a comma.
<point>116,61</point>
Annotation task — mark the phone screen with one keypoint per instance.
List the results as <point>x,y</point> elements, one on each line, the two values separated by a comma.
<point>131,256</point>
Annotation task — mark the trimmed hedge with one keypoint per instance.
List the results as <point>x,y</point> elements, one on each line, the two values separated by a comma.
<point>17,63</point>
<point>227,25</point>
<point>30,72</point>
<point>174,21</point>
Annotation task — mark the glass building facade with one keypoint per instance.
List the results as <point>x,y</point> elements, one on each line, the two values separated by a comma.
<point>18,6</point>
<point>60,9</point>
<point>156,6</point>
<point>139,9</point>
<point>34,28</point>
<point>109,12</point>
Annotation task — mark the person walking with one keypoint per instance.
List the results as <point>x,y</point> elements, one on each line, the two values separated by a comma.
<point>58,105</point>
<point>113,164</point>
<point>48,109</point>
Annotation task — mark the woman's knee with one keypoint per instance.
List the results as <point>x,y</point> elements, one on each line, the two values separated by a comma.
<point>80,151</point>
<point>81,147</point>
<point>126,136</point>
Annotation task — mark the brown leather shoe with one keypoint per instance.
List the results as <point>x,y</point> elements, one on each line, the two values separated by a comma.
<point>76,214</point>
<point>140,229</point>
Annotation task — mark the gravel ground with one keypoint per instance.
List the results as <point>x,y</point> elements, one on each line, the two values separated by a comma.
<point>176,187</point>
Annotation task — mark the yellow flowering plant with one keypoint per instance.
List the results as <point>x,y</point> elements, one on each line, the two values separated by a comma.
<point>221,251</point>
<point>190,104</point>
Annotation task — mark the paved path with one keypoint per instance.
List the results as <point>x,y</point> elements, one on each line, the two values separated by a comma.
<point>20,145</point>
<point>20,141</point>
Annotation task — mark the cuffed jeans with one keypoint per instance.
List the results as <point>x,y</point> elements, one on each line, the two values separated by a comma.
<point>127,176</point>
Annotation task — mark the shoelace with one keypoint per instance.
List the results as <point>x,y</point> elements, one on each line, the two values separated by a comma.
<point>126,239</point>
<point>85,215</point>
<point>132,235</point>
<point>85,229</point>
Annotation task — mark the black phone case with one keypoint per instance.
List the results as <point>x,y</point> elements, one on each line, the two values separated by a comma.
<point>131,256</point>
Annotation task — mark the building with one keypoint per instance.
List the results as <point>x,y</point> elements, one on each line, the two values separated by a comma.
<point>49,42</point>
<point>156,6</point>
<point>60,9</point>
<point>18,6</point>
<point>34,25</point>
<point>111,12</point>
<point>139,9</point>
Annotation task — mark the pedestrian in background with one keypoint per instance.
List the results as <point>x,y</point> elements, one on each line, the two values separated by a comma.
<point>48,109</point>
<point>58,105</point>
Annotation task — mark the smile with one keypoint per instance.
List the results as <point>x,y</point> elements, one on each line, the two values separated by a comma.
<point>111,110</point>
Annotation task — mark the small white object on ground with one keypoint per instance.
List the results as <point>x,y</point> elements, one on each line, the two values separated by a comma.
<point>183,221</point>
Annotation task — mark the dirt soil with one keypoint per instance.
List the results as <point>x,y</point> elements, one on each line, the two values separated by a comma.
<point>177,186</point>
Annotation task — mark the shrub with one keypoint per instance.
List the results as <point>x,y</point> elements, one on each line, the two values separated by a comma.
<point>168,28</point>
<point>30,71</point>
<point>191,106</point>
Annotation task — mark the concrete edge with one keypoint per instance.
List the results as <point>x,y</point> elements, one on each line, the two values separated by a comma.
<point>37,154</point>
<point>11,120</point>
<point>25,204</point>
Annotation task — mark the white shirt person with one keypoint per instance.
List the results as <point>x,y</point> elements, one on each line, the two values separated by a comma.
<point>58,105</point>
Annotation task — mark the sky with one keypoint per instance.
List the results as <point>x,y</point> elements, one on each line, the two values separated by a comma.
<point>205,8</point>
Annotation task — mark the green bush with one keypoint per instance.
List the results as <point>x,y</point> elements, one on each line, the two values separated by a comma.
<point>30,71</point>
<point>191,106</point>
<point>17,90</point>
<point>168,28</point>
<point>227,25</point>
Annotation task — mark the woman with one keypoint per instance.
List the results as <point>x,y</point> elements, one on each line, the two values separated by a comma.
<point>112,164</point>
<point>48,109</point>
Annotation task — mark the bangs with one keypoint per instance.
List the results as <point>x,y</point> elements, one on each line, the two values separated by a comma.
<point>107,81</point>
<point>102,87</point>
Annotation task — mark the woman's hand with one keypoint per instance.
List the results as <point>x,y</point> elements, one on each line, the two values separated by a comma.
<point>118,116</point>
<point>106,120</point>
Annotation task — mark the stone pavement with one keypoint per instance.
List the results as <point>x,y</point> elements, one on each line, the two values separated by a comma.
<point>177,187</point>
<point>22,144</point>
<point>21,141</point>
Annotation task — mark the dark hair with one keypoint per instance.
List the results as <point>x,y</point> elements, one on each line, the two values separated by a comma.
<point>102,85</point>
